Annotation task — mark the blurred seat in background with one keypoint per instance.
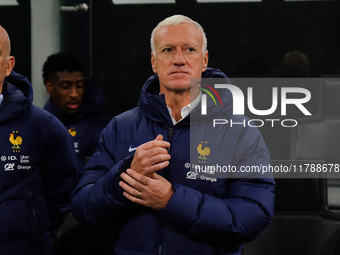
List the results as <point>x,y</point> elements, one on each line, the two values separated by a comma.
<point>307,210</point>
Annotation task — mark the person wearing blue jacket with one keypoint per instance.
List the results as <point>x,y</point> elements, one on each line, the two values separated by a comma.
<point>141,178</point>
<point>37,166</point>
<point>78,104</point>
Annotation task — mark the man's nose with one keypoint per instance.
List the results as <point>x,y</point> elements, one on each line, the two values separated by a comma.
<point>73,91</point>
<point>179,58</point>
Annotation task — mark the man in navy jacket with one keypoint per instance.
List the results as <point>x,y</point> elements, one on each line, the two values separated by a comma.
<point>37,166</point>
<point>78,104</point>
<point>141,180</point>
<point>81,107</point>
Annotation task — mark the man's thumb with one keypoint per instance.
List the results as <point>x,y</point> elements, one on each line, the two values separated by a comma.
<point>159,138</point>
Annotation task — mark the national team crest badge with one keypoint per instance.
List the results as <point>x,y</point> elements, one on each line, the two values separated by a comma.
<point>16,141</point>
<point>72,131</point>
<point>203,151</point>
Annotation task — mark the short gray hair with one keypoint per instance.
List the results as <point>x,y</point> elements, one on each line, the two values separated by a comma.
<point>173,21</point>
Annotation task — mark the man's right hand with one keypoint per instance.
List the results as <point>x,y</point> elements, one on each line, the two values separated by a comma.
<point>151,157</point>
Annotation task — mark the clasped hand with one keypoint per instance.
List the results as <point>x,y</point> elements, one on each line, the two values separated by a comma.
<point>142,185</point>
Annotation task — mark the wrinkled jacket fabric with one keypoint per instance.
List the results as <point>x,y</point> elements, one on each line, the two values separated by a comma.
<point>202,216</point>
<point>37,172</point>
<point>87,124</point>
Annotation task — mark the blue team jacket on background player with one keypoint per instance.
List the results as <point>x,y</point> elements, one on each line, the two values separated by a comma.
<point>86,125</point>
<point>37,171</point>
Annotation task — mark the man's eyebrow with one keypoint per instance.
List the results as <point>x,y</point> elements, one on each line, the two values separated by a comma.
<point>182,45</point>
<point>166,45</point>
<point>191,45</point>
<point>65,81</point>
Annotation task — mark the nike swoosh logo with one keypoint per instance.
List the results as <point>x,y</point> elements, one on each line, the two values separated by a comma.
<point>132,149</point>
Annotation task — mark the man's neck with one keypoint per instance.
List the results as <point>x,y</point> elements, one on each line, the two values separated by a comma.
<point>177,100</point>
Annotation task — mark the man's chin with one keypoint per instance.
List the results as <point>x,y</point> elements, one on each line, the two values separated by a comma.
<point>70,112</point>
<point>178,86</point>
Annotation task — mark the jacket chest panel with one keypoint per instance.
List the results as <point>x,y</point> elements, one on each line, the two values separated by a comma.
<point>17,156</point>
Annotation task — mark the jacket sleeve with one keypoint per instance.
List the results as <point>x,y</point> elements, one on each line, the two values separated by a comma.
<point>59,171</point>
<point>98,200</point>
<point>239,216</point>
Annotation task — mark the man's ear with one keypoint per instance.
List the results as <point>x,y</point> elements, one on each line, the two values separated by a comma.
<point>153,63</point>
<point>10,65</point>
<point>205,60</point>
<point>48,86</point>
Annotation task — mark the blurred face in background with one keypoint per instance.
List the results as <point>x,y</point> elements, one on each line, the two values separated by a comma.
<point>66,90</point>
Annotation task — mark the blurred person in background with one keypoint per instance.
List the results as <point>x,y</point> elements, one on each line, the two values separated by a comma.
<point>78,104</point>
<point>38,168</point>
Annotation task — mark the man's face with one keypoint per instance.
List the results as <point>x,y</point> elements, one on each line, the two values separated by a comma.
<point>66,90</point>
<point>6,62</point>
<point>178,56</point>
<point>3,67</point>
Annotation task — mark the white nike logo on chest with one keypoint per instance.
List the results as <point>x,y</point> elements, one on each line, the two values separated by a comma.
<point>132,149</point>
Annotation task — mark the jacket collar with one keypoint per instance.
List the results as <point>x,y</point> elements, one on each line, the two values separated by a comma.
<point>154,106</point>
<point>17,96</point>
<point>93,103</point>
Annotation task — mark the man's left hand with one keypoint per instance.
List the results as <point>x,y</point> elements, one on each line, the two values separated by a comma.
<point>153,192</point>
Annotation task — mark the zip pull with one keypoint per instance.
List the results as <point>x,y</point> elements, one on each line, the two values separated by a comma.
<point>171,131</point>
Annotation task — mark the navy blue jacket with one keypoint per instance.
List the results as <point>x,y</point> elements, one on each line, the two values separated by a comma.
<point>37,172</point>
<point>86,125</point>
<point>205,215</point>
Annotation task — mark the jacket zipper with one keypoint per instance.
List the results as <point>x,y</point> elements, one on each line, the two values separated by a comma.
<point>35,217</point>
<point>166,172</point>
<point>170,134</point>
